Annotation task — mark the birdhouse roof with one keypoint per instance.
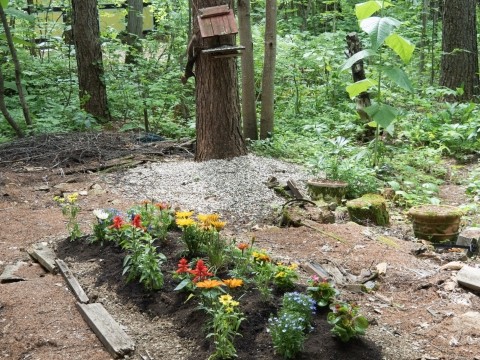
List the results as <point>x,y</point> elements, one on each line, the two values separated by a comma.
<point>216,21</point>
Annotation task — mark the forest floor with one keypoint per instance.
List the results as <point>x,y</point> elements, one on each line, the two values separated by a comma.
<point>417,310</point>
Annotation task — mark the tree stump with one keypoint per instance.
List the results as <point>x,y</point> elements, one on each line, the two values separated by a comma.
<point>370,208</point>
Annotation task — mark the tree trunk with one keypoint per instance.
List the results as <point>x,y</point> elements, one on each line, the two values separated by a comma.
<point>249,112</point>
<point>3,108</point>
<point>459,67</point>
<point>219,133</point>
<point>268,78</point>
<point>16,63</point>
<point>86,34</point>
<point>354,45</point>
<point>134,30</point>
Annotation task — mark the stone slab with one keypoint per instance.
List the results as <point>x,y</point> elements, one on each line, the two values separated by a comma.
<point>45,256</point>
<point>469,277</point>
<point>72,282</point>
<point>8,274</point>
<point>115,340</point>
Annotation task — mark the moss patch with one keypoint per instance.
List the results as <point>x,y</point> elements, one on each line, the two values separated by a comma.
<point>370,208</point>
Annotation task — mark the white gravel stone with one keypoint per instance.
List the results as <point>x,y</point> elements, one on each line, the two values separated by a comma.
<point>234,188</point>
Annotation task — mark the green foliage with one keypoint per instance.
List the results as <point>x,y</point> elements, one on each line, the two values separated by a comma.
<point>322,291</point>
<point>70,210</point>
<point>346,320</point>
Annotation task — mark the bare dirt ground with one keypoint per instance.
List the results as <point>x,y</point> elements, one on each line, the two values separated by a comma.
<point>417,311</point>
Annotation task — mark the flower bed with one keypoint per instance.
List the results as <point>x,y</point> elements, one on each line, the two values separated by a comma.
<point>230,296</point>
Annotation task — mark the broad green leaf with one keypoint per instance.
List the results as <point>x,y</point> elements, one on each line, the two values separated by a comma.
<point>402,47</point>
<point>4,3</point>
<point>366,9</point>
<point>359,87</point>
<point>16,40</point>
<point>399,77</point>
<point>19,14</point>
<point>383,114</point>
<point>357,57</point>
<point>379,28</point>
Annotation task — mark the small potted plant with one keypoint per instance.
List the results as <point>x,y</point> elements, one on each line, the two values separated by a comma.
<point>329,187</point>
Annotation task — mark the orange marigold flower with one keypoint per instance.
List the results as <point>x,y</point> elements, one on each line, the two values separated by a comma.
<point>209,284</point>
<point>242,246</point>
<point>162,205</point>
<point>233,283</point>
<point>260,256</point>
<point>145,202</point>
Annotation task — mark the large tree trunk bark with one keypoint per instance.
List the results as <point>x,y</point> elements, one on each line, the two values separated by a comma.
<point>86,34</point>
<point>16,63</point>
<point>219,133</point>
<point>459,67</point>
<point>249,112</point>
<point>268,78</point>
<point>134,30</point>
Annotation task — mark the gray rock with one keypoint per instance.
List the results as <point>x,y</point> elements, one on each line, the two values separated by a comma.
<point>469,277</point>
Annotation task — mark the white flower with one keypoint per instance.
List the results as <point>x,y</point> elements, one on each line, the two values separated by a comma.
<point>100,214</point>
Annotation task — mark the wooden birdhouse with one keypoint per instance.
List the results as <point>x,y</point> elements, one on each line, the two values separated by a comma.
<point>218,21</point>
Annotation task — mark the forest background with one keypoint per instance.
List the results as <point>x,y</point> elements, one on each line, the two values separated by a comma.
<point>432,97</point>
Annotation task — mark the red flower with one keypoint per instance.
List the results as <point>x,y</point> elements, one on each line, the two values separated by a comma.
<point>137,222</point>
<point>117,222</point>
<point>243,246</point>
<point>200,271</point>
<point>183,266</point>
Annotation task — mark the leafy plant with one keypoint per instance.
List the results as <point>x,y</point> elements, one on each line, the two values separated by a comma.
<point>346,320</point>
<point>285,276</point>
<point>226,320</point>
<point>381,31</point>
<point>288,334</point>
<point>301,304</point>
<point>322,291</point>
<point>70,210</point>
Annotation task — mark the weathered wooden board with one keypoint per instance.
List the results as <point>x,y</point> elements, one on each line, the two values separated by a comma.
<point>294,189</point>
<point>72,282</point>
<point>115,340</point>
<point>44,255</point>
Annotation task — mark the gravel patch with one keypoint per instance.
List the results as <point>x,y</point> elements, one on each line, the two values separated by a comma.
<point>234,188</point>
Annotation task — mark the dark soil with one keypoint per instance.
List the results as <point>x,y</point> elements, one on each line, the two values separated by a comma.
<point>255,342</point>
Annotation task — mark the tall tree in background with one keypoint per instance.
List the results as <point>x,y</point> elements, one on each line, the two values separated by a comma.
<point>459,66</point>
<point>86,34</point>
<point>219,134</point>
<point>249,112</point>
<point>268,78</point>
<point>134,30</point>
<point>16,64</point>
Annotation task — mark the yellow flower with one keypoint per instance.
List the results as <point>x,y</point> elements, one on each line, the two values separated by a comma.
<point>233,283</point>
<point>72,198</point>
<point>228,302</point>
<point>184,222</point>
<point>183,214</point>
<point>202,217</point>
<point>293,266</point>
<point>59,199</point>
<point>209,284</point>
<point>218,225</point>
<point>225,299</point>
<point>260,256</point>
<point>280,274</point>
